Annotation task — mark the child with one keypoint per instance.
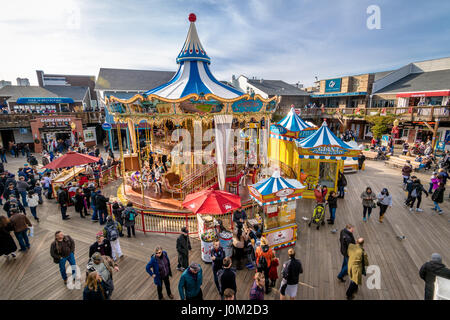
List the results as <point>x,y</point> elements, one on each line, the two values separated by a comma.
<point>273,271</point>
<point>33,201</point>
<point>434,183</point>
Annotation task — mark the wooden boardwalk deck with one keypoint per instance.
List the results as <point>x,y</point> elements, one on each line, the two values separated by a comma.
<point>33,275</point>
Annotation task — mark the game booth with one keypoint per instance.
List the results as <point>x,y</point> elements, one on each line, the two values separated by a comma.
<point>277,198</point>
<point>321,157</point>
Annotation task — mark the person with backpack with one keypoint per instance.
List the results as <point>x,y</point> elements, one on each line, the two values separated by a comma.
<point>226,277</point>
<point>117,210</point>
<point>111,232</point>
<point>13,205</point>
<point>342,183</point>
<point>63,200</point>
<point>100,203</point>
<point>264,255</point>
<point>438,197</point>
<point>33,202</point>
<point>159,269</point>
<point>183,247</point>
<point>101,245</point>
<point>290,276</point>
<point>129,217</point>
<point>416,193</point>
<point>346,237</point>
<point>217,257</point>
<point>62,250</point>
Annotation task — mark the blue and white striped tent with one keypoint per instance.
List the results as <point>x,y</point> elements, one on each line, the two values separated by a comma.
<point>293,122</point>
<point>193,75</point>
<point>324,141</point>
<point>273,185</point>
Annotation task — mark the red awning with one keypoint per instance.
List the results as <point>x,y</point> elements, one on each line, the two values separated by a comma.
<point>442,93</point>
<point>71,159</point>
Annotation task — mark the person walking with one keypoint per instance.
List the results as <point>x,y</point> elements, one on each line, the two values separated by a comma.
<point>264,255</point>
<point>273,271</point>
<point>368,203</point>
<point>342,183</point>
<point>332,205</point>
<point>94,192</point>
<point>38,190</point>
<point>94,288</point>
<point>406,172</point>
<point>217,257</point>
<point>33,202</point>
<point>257,289</point>
<point>384,201</point>
<point>117,210</point>
<point>3,155</point>
<point>183,247</point>
<point>159,269</point>
<point>100,203</point>
<point>129,218</point>
<point>190,283</point>
<point>80,203</point>
<point>438,197</point>
<point>290,276</point>
<point>226,277</point>
<point>416,194</point>
<point>434,182</point>
<point>47,183</point>
<point>345,239</point>
<point>101,245</point>
<point>62,250</point>
<point>357,263</point>
<point>430,270</point>
<point>22,188</point>
<point>111,232</point>
<point>20,224</point>
<point>63,200</point>
<point>7,245</point>
<point>105,266</point>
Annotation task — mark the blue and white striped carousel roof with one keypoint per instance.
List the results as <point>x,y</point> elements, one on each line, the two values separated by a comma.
<point>276,183</point>
<point>293,122</point>
<point>193,75</point>
<point>323,137</point>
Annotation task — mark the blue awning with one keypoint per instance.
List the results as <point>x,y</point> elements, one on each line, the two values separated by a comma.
<point>43,100</point>
<point>361,93</point>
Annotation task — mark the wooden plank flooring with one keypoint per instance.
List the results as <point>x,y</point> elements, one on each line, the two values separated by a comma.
<point>33,275</point>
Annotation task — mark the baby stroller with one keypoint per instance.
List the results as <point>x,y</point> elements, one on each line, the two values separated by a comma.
<point>318,216</point>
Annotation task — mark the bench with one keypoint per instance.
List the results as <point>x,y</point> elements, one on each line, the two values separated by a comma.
<point>371,155</point>
<point>397,162</point>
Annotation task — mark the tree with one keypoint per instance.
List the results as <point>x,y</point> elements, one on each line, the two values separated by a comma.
<point>381,124</point>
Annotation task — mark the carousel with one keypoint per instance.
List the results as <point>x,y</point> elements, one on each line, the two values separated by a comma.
<point>179,134</point>
<point>321,158</point>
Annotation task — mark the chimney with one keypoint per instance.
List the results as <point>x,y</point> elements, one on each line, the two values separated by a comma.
<point>261,80</point>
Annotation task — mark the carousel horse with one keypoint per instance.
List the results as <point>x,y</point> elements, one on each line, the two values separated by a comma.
<point>135,179</point>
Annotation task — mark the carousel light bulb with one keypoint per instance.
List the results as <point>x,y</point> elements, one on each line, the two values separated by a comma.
<point>192,17</point>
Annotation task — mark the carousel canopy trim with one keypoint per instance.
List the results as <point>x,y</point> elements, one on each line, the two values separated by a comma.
<point>327,157</point>
<point>276,183</point>
<point>293,122</point>
<point>282,137</point>
<point>273,202</point>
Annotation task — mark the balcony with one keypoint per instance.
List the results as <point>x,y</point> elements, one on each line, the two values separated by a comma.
<point>22,120</point>
<point>422,113</point>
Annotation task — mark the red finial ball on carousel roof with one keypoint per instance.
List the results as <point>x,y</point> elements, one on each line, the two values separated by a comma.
<point>192,17</point>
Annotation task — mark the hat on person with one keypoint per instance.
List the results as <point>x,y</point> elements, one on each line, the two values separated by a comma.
<point>436,257</point>
<point>194,266</point>
<point>97,256</point>
<point>99,234</point>
<point>25,165</point>
<point>184,229</point>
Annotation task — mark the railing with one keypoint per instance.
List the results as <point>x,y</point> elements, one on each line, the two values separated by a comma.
<point>409,113</point>
<point>171,223</point>
<point>8,120</point>
<point>109,175</point>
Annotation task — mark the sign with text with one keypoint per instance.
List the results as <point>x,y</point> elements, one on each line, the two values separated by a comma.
<point>333,85</point>
<point>247,106</point>
<point>326,150</point>
<point>277,129</point>
<point>278,237</point>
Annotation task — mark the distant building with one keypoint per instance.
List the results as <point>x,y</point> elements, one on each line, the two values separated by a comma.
<point>23,82</point>
<point>290,94</point>
<point>4,83</point>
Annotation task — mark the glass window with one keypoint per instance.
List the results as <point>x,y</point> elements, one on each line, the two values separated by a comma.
<point>327,174</point>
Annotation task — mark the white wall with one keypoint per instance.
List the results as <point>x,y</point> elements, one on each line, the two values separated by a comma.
<point>19,137</point>
<point>243,84</point>
<point>431,65</point>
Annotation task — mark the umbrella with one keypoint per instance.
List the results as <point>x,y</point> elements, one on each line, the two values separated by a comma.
<point>71,159</point>
<point>212,202</point>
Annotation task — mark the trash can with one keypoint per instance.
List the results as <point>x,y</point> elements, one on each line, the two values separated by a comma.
<point>226,242</point>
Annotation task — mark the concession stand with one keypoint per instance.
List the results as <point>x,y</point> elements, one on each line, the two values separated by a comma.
<point>277,198</point>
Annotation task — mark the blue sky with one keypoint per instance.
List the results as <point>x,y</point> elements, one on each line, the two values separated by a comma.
<point>291,40</point>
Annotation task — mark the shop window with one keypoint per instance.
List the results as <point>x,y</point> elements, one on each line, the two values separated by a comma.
<point>433,101</point>
<point>327,174</point>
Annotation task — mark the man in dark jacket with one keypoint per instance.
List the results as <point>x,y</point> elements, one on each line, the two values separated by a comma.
<point>100,204</point>
<point>183,247</point>
<point>406,171</point>
<point>227,277</point>
<point>430,270</point>
<point>20,223</point>
<point>416,193</point>
<point>290,273</point>
<point>13,205</point>
<point>62,250</point>
<point>345,239</point>
<point>239,217</point>
<point>342,183</point>
<point>361,159</point>
<point>63,199</point>
<point>10,190</point>
<point>159,269</point>
<point>217,256</point>
<point>102,245</point>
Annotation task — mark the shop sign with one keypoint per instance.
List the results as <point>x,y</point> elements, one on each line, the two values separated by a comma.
<point>247,106</point>
<point>333,85</point>
<point>284,193</point>
<point>281,236</point>
<point>56,122</point>
<point>328,150</point>
<point>277,129</point>
<point>106,126</point>
<point>56,119</point>
<point>305,133</point>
